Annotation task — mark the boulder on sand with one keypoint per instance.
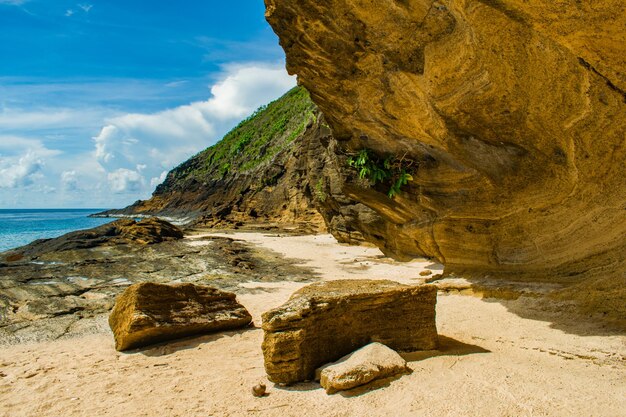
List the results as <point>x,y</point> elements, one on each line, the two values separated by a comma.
<point>371,362</point>
<point>147,313</point>
<point>325,321</point>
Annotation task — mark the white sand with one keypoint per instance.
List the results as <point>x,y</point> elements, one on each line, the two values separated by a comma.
<point>493,363</point>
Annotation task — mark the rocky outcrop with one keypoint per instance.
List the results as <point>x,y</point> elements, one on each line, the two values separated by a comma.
<point>145,232</point>
<point>325,321</point>
<point>371,362</point>
<point>70,293</point>
<point>147,313</point>
<point>511,112</point>
<point>257,174</point>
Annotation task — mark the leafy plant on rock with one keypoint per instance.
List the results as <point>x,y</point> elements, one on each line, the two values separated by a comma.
<point>396,171</point>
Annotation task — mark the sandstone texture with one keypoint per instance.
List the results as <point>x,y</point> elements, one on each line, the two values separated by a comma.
<point>147,313</point>
<point>513,113</point>
<point>371,362</point>
<point>324,321</point>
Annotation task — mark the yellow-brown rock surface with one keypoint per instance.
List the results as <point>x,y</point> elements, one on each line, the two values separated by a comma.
<point>147,313</point>
<point>324,321</point>
<point>514,109</point>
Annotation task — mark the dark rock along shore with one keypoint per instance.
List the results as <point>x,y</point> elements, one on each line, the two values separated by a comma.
<point>53,294</point>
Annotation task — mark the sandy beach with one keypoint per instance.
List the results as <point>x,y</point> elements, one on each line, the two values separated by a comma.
<point>492,361</point>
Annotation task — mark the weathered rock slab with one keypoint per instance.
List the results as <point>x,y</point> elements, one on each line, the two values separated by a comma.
<point>325,321</point>
<point>147,313</point>
<point>513,112</point>
<point>371,362</point>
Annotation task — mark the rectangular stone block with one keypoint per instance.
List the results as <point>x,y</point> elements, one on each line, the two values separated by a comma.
<point>325,321</point>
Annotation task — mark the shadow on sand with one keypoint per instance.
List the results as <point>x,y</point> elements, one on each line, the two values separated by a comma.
<point>587,311</point>
<point>192,342</point>
<point>447,347</point>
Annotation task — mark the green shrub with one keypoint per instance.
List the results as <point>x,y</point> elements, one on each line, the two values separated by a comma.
<point>393,170</point>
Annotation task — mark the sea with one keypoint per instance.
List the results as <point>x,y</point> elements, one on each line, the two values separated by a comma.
<point>21,226</point>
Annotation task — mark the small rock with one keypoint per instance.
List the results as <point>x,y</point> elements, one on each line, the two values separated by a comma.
<point>434,278</point>
<point>426,272</point>
<point>259,390</point>
<point>371,362</point>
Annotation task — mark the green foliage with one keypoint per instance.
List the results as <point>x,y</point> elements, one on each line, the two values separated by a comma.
<point>255,141</point>
<point>320,194</point>
<point>392,170</point>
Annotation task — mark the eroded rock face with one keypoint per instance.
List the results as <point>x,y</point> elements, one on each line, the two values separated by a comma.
<point>147,313</point>
<point>325,321</point>
<point>515,111</point>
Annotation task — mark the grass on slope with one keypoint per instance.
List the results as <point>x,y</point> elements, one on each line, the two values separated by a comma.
<point>255,140</point>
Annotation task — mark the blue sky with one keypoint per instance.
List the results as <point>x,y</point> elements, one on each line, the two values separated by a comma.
<point>99,99</point>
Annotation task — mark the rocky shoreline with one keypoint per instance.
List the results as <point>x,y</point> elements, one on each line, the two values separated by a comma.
<point>69,289</point>
<point>533,356</point>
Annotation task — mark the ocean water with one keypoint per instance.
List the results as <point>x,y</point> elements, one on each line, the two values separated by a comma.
<point>22,226</point>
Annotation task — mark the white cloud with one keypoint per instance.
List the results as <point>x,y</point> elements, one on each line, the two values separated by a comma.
<point>245,88</point>
<point>20,173</point>
<point>69,12</point>
<point>125,181</point>
<point>85,7</point>
<point>130,154</point>
<point>69,181</point>
<point>158,180</point>
<point>151,144</point>
<point>22,160</point>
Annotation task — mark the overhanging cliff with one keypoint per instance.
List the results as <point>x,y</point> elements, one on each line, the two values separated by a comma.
<point>513,111</point>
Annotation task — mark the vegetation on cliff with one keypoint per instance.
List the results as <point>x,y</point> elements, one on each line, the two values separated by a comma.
<point>253,175</point>
<point>255,141</point>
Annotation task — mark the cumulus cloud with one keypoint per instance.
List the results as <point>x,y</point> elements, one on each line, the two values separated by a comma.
<point>20,173</point>
<point>158,180</point>
<point>130,154</point>
<point>125,180</point>
<point>22,160</point>
<point>137,146</point>
<point>69,180</point>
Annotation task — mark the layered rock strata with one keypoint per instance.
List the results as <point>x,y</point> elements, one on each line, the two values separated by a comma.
<point>513,111</point>
<point>325,321</point>
<point>148,313</point>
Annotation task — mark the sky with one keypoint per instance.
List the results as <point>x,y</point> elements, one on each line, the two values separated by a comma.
<point>100,99</point>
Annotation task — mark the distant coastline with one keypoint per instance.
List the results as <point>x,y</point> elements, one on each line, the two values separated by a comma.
<point>178,221</point>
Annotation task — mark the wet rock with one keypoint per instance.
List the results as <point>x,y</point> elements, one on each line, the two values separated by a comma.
<point>371,362</point>
<point>147,313</point>
<point>325,321</point>
<point>147,231</point>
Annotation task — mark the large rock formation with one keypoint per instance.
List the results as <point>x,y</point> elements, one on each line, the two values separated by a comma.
<point>257,174</point>
<point>325,321</point>
<point>148,312</point>
<point>513,111</point>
